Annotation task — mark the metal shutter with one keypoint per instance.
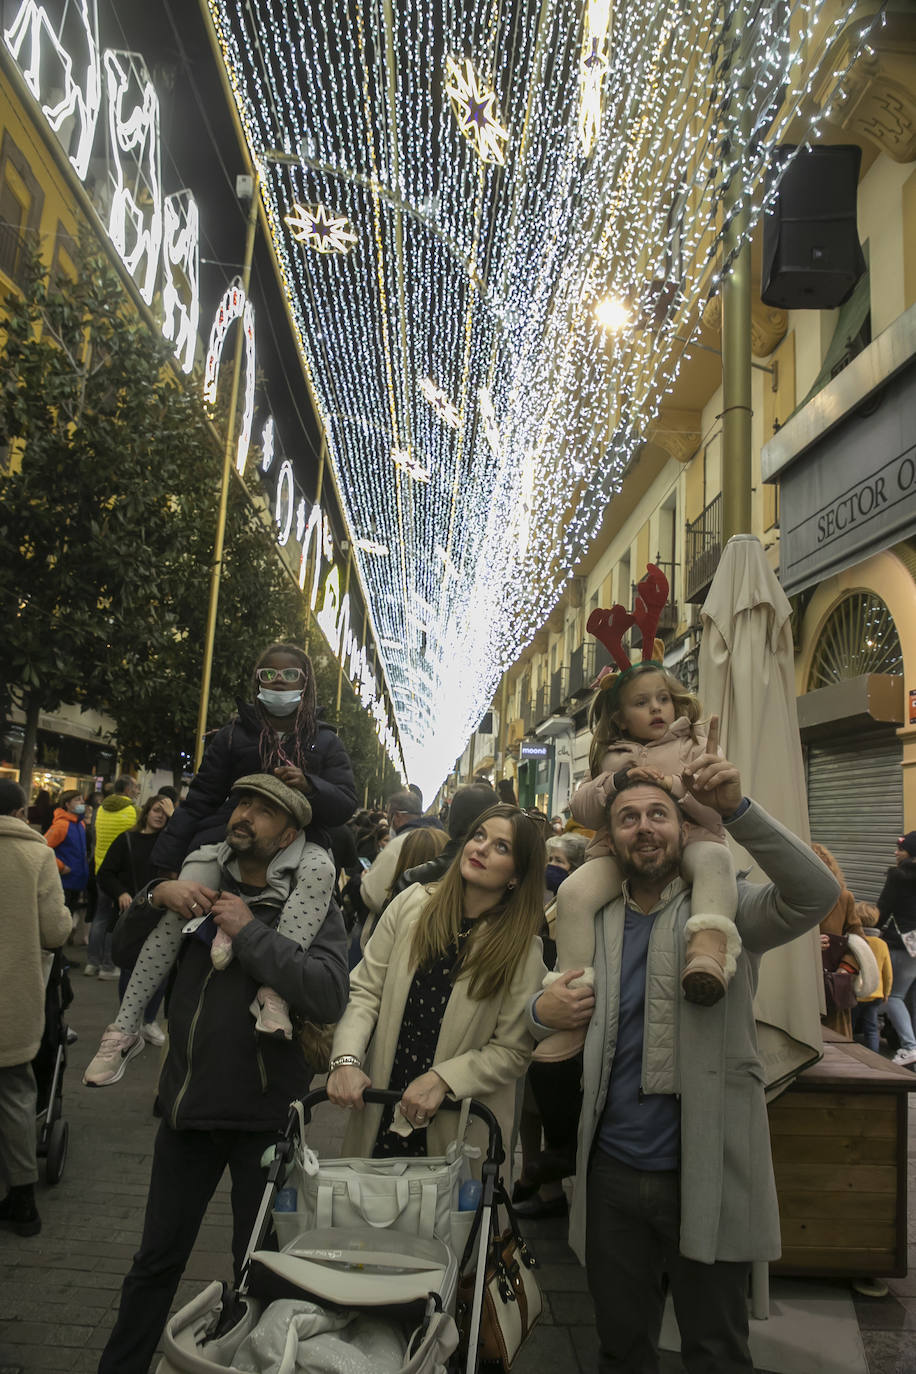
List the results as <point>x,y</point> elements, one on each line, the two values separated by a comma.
<point>855,804</point>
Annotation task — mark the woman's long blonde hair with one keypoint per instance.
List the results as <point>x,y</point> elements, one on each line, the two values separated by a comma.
<point>604,711</point>
<point>501,937</point>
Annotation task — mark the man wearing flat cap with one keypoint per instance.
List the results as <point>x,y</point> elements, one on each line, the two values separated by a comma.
<point>226,1086</point>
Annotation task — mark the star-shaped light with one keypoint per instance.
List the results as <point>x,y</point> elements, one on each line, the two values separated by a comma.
<point>440,402</point>
<point>593,66</point>
<point>372,546</point>
<point>488,415</point>
<point>475,110</point>
<point>402,459</point>
<point>321,229</point>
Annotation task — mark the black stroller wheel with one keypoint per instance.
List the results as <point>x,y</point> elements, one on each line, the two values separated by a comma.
<point>58,1141</point>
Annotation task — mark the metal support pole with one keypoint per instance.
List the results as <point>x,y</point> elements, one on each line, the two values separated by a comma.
<point>736,315</point>
<point>219,541</point>
<point>340,660</point>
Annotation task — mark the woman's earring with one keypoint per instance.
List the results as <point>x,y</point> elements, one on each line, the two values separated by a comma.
<point>510,887</point>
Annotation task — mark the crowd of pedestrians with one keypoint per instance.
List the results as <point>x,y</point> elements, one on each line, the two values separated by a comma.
<point>483,950</point>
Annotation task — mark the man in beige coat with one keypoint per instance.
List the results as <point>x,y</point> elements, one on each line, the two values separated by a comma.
<point>674,1172</point>
<point>33,916</point>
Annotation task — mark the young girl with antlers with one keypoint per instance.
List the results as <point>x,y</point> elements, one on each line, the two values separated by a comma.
<point>646,727</point>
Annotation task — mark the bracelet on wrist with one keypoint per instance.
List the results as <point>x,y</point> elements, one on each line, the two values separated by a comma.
<point>344,1061</point>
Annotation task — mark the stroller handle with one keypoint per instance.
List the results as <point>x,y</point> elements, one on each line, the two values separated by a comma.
<point>386,1097</point>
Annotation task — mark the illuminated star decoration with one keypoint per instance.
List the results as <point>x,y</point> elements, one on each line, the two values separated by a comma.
<point>402,459</point>
<point>440,402</point>
<point>372,546</point>
<point>323,231</point>
<point>592,67</point>
<point>474,110</point>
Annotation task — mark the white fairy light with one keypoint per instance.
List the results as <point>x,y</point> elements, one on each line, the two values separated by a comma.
<point>372,546</point>
<point>485,278</point>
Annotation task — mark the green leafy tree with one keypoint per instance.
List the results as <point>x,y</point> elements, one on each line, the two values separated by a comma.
<point>94,505</point>
<point>259,602</point>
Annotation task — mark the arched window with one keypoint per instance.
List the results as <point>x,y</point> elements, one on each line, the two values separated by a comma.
<point>859,637</point>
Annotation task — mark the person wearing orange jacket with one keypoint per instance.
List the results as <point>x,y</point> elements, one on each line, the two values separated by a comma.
<point>67,837</point>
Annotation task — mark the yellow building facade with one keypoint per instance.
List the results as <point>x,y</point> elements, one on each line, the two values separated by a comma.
<point>817,373</point>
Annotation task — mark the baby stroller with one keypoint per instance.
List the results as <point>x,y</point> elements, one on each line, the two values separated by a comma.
<point>409,1279</point>
<point>49,1065</point>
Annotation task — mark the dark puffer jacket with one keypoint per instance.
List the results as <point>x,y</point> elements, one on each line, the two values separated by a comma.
<point>233,753</point>
<point>898,899</point>
<point>219,1073</point>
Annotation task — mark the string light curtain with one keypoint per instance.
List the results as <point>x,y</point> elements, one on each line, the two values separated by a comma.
<point>467,184</point>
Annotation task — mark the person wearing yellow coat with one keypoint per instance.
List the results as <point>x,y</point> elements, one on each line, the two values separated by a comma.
<point>439,1004</point>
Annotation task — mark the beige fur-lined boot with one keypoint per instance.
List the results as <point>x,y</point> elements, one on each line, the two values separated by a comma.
<point>563,1044</point>
<point>713,946</point>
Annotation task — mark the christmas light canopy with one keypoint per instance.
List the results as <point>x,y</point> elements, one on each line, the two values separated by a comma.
<point>502,170</point>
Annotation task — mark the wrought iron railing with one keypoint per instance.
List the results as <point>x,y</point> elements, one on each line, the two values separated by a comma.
<point>703,549</point>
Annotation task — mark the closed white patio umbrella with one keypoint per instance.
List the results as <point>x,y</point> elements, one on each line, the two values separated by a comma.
<point>747,678</point>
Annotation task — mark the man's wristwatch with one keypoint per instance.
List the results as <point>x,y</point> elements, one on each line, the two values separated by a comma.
<point>344,1061</point>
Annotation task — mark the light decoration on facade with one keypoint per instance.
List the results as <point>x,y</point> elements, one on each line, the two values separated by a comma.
<point>475,110</point>
<point>286,499</point>
<point>484,276</point>
<point>372,546</point>
<point>56,48</point>
<point>135,217</point>
<point>320,229</point>
<point>268,439</point>
<point>233,306</point>
<point>59,59</point>
<point>181,275</point>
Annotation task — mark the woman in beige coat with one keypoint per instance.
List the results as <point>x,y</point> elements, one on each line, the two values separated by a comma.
<point>439,1004</point>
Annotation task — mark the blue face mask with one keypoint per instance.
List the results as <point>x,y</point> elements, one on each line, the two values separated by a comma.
<point>554,876</point>
<point>79,809</point>
<point>281,703</point>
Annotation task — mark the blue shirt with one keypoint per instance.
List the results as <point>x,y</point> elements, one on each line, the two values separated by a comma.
<point>642,1130</point>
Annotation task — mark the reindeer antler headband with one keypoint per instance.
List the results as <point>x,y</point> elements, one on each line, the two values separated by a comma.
<point>610,626</point>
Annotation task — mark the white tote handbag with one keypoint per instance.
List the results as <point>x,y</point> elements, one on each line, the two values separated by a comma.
<point>418,1196</point>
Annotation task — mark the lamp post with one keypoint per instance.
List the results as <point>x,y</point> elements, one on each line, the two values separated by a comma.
<point>737,411</point>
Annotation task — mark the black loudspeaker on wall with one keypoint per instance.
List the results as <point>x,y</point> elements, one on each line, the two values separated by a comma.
<point>812,257</point>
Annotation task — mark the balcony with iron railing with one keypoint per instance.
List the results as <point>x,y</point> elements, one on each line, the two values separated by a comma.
<point>542,704</point>
<point>585,663</point>
<point>559,689</point>
<point>703,549</point>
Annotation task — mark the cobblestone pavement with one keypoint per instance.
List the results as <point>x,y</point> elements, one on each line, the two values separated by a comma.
<point>59,1291</point>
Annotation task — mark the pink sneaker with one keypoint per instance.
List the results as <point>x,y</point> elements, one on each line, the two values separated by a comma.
<point>114,1054</point>
<point>271,1014</point>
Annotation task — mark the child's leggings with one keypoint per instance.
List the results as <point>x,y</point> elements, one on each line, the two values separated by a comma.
<point>308,901</point>
<point>706,865</point>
